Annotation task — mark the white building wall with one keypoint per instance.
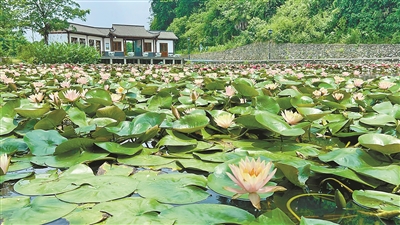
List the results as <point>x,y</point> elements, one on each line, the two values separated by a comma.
<point>170,45</point>
<point>58,38</point>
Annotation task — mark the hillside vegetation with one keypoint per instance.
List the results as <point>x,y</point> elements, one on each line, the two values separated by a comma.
<point>222,24</point>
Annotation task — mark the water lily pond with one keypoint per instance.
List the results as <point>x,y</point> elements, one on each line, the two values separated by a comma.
<point>200,144</point>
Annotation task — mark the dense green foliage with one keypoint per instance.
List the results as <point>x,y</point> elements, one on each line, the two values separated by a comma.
<point>10,36</point>
<point>59,53</point>
<point>48,15</point>
<point>223,23</point>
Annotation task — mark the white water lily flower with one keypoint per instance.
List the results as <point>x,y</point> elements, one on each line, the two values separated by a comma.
<point>291,118</point>
<point>4,163</point>
<point>224,120</point>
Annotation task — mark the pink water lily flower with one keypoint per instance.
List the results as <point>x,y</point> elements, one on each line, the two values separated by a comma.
<point>71,95</point>
<point>252,176</point>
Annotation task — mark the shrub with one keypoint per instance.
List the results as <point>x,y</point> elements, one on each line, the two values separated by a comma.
<point>59,53</point>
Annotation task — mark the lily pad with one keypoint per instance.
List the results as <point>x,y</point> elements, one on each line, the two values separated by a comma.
<point>276,124</point>
<point>383,143</point>
<point>175,188</point>
<point>126,149</point>
<point>98,96</point>
<point>41,210</point>
<point>207,214</point>
<point>42,142</point>
<point>100,189</point>
<point>134,210</point>
<point>377,199</point>
<point>191,123</point>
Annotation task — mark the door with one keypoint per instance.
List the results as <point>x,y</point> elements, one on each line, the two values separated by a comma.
<point>164,49</point>
<point>137,45</point>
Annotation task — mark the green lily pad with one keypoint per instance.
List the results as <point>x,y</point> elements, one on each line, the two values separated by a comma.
<point>69,158</point>
<point>41,210</point>
<point>12,145</point>
<point>111,112</point>
<point>207,214</point>
<point>53,183</point>
<point>84,214</point>
<point>296,172</point>
<point>175,188</point>
<point>8,124</point>
<point>145,160</point>
<point>275,123</point>
<point>350,157</point>
<point>13,176</point>
<point>134,210</point>
<point>266,103</point>
<point>377,199</point>
<point>77,116</point>
<point>126,149</point>
<point>389,174</point>
<point>244,88</point>
<point>302,101</point>
<point>100,189</point>
<point>275,216</point>
<point>42,142</point>
<point>51,120</point>
<point>190,123</point>
<point>312,113</point>
<point>98,96</point>
<point>383,143</point>
<point>74,144</point>
<point>33,110</point>
<point>348,174</point>
<point>379,120</point>
<point>310,221</point>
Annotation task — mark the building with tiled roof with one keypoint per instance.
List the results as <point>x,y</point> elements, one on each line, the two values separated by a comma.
<point>112,41</point>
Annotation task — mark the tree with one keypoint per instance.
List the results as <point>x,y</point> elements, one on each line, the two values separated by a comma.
<point>11,37</point>
<point>44,16</point>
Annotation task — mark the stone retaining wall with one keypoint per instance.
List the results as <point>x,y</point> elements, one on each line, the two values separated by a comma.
<point>265,51</point>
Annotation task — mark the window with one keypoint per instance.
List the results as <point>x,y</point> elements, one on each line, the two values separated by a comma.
<point>91,42</point>
<point>82,41</point>
<point>117,46</point>
<point>98,45</point>
<point>147,46</point>
<point>74,40</point>
<point>163,47</point>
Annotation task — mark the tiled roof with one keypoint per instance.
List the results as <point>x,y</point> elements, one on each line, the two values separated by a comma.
<point>120,30</point>
<point>166,35</point>
<point>83,29</point>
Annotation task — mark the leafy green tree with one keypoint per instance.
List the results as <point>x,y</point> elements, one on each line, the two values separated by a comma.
<point>11,36</point>
<point>44,16</point>
<point>163,13</point>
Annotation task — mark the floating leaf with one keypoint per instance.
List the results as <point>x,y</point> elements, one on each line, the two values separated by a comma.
<point>296,172</point>
<point>42,142</point>
<point>275,216</point>
<point>276,124</point>
<point>207,214</point>
<point>389,174</point>
<point>41,210</point>
<point>175,188</point>
<point>74,144</point>
<point>111,112</point>
<point>134,210</point>
<point>190,123</point>
<point>377,199</point>
<point>383,143</point>
<point>51,120</point>
<point>100,189</point>
<point>126,149</point>
<point>98,96</point>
